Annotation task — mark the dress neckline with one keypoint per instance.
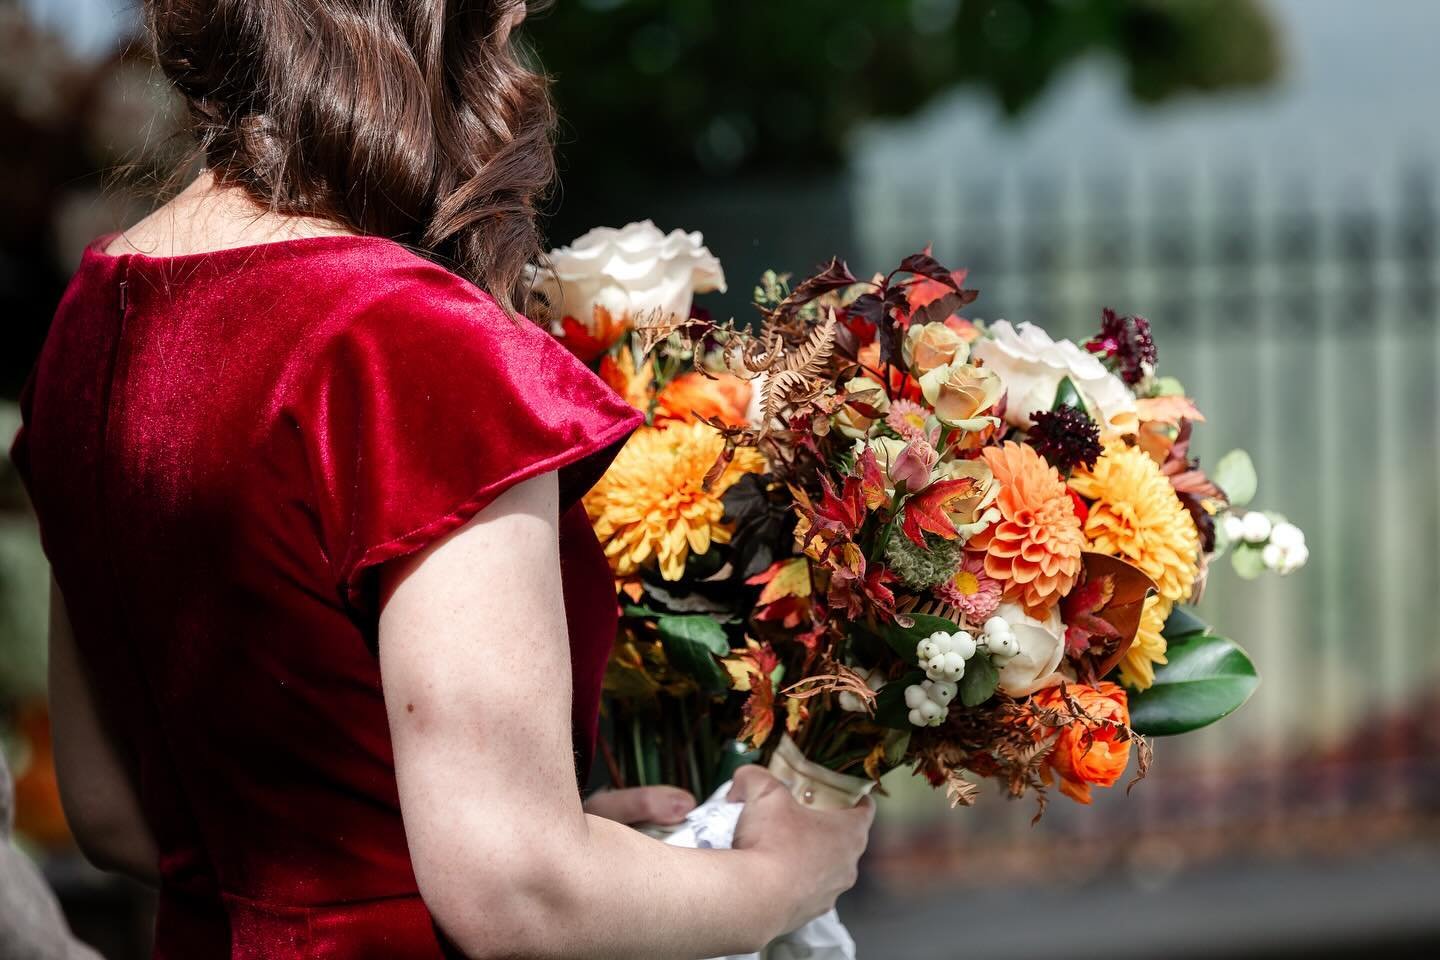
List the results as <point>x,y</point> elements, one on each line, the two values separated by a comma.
<point>96,247</point>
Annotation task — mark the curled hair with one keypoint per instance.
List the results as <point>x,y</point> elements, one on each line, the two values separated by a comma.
<point>417,120</point>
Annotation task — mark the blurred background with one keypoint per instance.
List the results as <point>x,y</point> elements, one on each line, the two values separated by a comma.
<point>1256,176</point>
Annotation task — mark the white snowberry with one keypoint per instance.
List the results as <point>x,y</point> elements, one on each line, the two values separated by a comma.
<point>1003,647</point>
<point>963,643</point>
<point>998,626</point>
<point>1255,527</point>
<point>915,695</point>
<point>941,691</point>
<point>932,711</point>
<point>1273,556</point>
<point>1287,536</point>
<point>927,649</point>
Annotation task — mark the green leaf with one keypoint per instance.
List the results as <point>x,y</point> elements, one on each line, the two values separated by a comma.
<point>896,744</point>
<point>1067,396</point>
<point>978,684</point>
<point>1207,678</point>
<point>890,708</point>
<point>691,645</point>
<point>1182,622</point>
<point>733,756</point>
<point>903,639</point>
<point>1248,559</point>
<point>1235,474</point>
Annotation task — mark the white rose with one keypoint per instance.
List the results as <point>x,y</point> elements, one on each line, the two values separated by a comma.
<point>1041,647</point>
<point>1032,366</point>
<point>635,269</point>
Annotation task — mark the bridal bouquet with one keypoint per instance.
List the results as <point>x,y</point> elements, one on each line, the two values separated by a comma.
<point>874,532</point>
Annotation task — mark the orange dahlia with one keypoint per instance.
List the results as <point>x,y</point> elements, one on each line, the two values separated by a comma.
<point>1137,517</point>
<point>693,395</point>
<point>1034,549</point>
<point>651,507</point>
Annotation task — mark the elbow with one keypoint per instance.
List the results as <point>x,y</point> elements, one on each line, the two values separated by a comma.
<point>501,907</point>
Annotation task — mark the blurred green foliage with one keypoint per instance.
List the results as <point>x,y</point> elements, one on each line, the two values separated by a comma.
<point>668,87</point>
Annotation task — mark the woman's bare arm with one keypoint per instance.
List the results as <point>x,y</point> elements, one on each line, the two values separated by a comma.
<point>475,664</point>
<point>95,787</point>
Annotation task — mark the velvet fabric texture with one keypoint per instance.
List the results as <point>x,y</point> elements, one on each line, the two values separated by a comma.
<point>222,449</point>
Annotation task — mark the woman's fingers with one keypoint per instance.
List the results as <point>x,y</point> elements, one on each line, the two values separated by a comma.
<point>663,805</point>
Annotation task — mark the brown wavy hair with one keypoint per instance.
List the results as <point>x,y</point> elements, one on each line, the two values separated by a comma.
<point>418,120</point>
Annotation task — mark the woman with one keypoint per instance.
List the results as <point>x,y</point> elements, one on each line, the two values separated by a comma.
<point>310,498</point>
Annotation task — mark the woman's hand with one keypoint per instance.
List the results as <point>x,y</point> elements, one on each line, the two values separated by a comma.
<point>816,851</point>
<point>661,805</point>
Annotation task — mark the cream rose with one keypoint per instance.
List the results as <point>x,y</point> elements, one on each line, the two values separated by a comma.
<point>851,422</point>
<point>1032,366</point>
<point>1042,646</point>
<point>962,395</point>
<point>633,270</point>
<point>930,345</point>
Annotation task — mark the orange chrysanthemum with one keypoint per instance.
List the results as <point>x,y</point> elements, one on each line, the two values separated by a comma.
<point>651,507</point>
<point>1137,517</point>
<point>1034,549</point>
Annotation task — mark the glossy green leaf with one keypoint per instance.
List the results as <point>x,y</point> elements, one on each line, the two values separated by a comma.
<point>691,645</point>
<point>1066,395</point>
<point>1183,621</point>
<point>1208,677</point>
<point>1235,474</point>
<point>903,639</point>
<point>980,680</point>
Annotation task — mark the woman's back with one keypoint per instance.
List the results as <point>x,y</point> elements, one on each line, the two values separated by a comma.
<point>222,448</point>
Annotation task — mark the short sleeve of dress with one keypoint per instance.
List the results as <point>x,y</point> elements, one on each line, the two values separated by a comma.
<point>430,404</point>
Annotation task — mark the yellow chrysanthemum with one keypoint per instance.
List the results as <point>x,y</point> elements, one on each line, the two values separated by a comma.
<point>651,505</point>
<point>1137,667</point>
<point>1137,517</point>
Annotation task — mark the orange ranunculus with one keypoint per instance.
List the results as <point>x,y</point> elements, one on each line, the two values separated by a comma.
<point>1088,751</point>
<point>694,395</point>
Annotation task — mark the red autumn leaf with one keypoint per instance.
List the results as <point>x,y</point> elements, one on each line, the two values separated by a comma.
<point>925,512</point>
<point>872,480</point>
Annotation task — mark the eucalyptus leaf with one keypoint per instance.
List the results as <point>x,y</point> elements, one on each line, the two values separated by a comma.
<point>1235,474</point>
<point>980,680</point>
<point>1167,387</point>
<point>903,639</point>
<point>1248,560</point>
<point>1207,677</point>
<point>692,645</point>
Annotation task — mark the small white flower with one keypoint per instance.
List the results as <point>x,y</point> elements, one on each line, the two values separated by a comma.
<point>1255,527</point>
<point>1287,536</point>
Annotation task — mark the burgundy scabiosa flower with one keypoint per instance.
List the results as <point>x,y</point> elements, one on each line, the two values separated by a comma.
<point>1127,344</point>
<point>1066,437</point>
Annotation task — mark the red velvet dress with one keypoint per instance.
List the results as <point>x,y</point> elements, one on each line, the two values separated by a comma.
<point>221,449</point>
